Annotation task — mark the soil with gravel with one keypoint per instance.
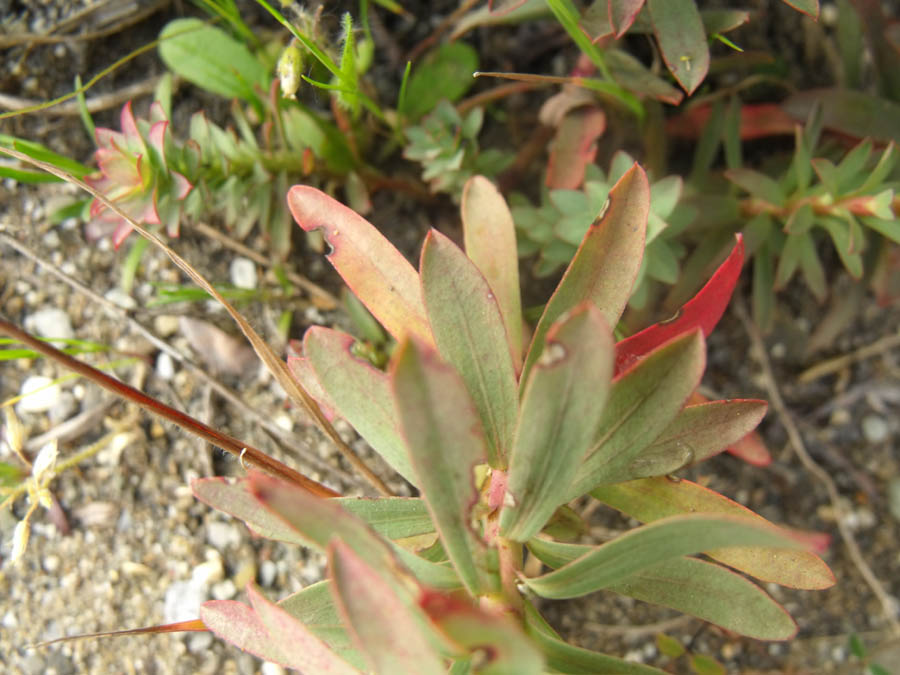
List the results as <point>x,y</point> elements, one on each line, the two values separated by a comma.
<point>126,545</point>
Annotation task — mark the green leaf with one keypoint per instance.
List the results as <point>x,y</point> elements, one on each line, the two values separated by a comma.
<point>810,7</point>
<point>374,270</point>
<point>758,184</point>
<point>561,408</point>
<point>444,73</point>
<point>626,68</point>
<point>445,441</point>
<point>489,235</point>
<point>682,40</point>
<point>881,171</point>
<point>565,658</point>
<point>391,517</point>
<point>621,14</point>
<point>646,546</point>
<point>468,329</point>
<point>854,113</point>
<point>813,272</point>
<point>397,645</point>
<point>43,154</point>
<point>606,264</point>
<point>850,168</point>
<point>497,644</point>
<point>848,248</point>
<point>211,59</point>
<point>706,665</point>
<point>888,228</point>
<point>790,258</point>
<point>698,432</point>
<point>653,498</point>
<point>707,591</point>
<point>641,404</point>
<point>26,176</point>
<point>359,393</point>
<point>669,646</point>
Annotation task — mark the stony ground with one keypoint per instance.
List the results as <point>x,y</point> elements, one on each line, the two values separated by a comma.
<point>126,545</point>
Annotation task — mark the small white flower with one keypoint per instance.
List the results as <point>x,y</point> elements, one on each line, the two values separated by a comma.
<point>45,461</point>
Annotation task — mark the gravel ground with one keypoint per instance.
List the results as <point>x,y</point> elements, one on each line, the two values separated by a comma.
<point>133,548</point>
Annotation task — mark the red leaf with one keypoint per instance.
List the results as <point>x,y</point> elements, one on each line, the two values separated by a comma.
<point>757,121</point>
<point>574,147</point>
<point>752,449</point>
<point>704,311</point>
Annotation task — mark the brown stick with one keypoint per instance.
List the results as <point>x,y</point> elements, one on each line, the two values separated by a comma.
<point>245,453</point>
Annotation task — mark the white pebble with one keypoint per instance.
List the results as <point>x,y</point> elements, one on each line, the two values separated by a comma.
<point>40,401</point>
<point>120,298</point>
<point>200,642</point>
<point>183,600</point>
<point>50,564</point>
<point>224,590</point>
<point>269,668</point>
<point>165,366</point>
<point>222,535</point>
<point>874,428</point>
<point>51,239</point>
<point>10,620</point>
<point>165,325</point>
<point>50,322</point>
<point>208,572</point>
<point>243,273</point>
<point>267,573</point>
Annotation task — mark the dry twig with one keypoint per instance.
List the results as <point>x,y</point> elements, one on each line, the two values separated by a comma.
<point>838,363</point>
<point>888,604</point>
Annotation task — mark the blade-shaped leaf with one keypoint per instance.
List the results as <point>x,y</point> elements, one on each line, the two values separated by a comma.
<point>705,590</point>
<point>810,7</point>
<point>235,499</point>
<point>445,441</point>
<point>606,264</point>
<point>566,658</point>
<point>703,310</point>
<point>654,498</point>
<point>641,404</point>
<point>613,562</point>
<point>318,521</point>
<point>468,329</point>
<point>239,625</point>
<point>682,40</point>
<point>301,648</point>
<point>574,147</point>
<point>497,644</point>
<point>365,599</point>
<point>374,270</point>
<point>696,433</point>
<point>561,408</point>
<point>359,393</point>
<point>622,14</point>
<point>489,235</point>
<point>391,517</point>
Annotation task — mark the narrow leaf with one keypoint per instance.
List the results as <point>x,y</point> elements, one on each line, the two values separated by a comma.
<point>489,235</point>
<point>696,433</point>
<point>496,644</point>
<point>566,658</point>
<point>641,405</point>
<point>810,7</point>
<point>374,270</point>
<point>703,310</point>
<point>445,440</point>
<point>561,409</point>
<point>468,328</point>
<point>606,264</point>
<point>301,648</point>
<point>397,645</point>
<point>613,562</point>
<point>391,517</point>
<point>694,587</point>
<point>574,147</point>
<point>654,498</point>
<point>359,393</point>
<point>239,625</point>
<point>682,40</point>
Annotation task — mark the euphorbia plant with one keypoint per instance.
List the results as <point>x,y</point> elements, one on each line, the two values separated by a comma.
<point>497,438</point>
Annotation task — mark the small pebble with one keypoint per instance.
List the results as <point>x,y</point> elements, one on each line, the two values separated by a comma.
<point>200,642</point>
<point>50,564</point>
<point>222,535</point>
<point>208,572</point>
<point>165,366</point>
<point>165,325</point>
<point>224,590</point>
<point>39,401</point>
<point>120,298</point>
<point>875,429</point>
<point>840,417</point>
<point>10,620</point>
<point>267,573</point>
<point>51,239</point>
<point>183,600</point>
<point>50,322</point>
<point>269,668</point>
<point>64,408</point>
<point>243,273</point>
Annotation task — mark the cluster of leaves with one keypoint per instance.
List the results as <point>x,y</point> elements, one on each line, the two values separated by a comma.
<point>446,144</point>
<point>497,439</point>
<point>554,230</point>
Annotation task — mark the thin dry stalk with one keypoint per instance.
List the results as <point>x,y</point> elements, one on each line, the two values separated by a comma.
<point>888,604</point>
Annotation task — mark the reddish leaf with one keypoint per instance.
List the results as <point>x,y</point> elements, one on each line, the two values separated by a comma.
<point>704,311</point>
<point>622,14</point>
<point>574,147</point>
<point>379,275</point>
<point>757,121</point>
<point>682,40</point>
<point>751,448</point>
